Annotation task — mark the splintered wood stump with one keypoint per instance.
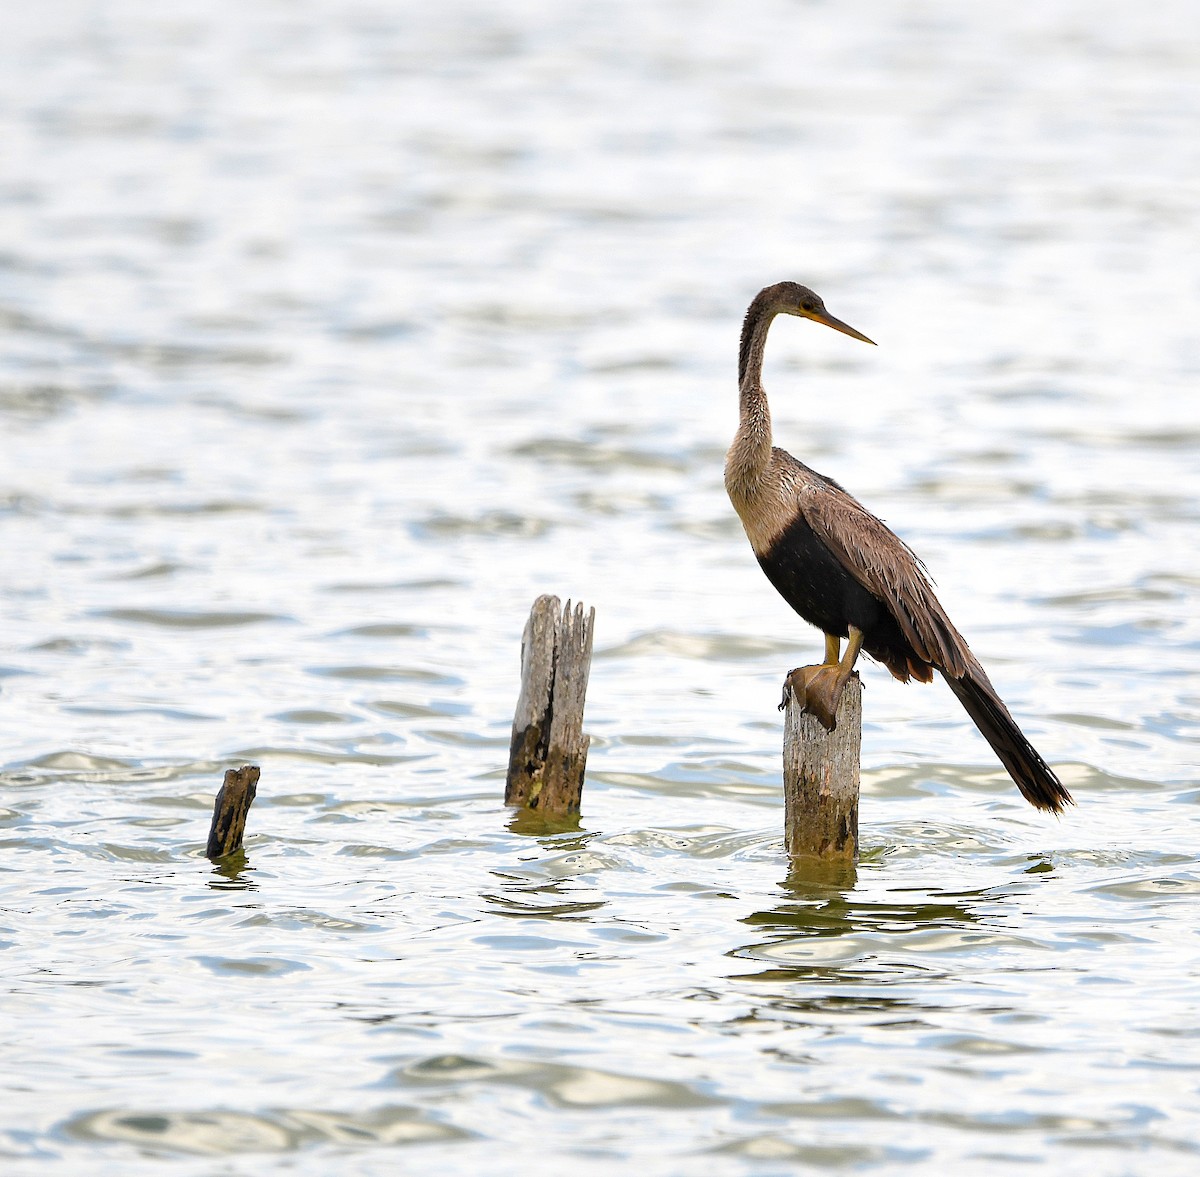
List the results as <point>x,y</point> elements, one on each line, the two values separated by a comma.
<point>821,779</point>
<point>234,799</point>
<point>549,750</point>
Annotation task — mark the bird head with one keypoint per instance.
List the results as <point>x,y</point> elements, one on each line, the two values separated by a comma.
<point>795,299</point>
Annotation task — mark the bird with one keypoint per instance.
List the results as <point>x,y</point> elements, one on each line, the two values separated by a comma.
<point>846,572</point>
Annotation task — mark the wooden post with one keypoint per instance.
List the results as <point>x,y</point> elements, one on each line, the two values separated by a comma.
<point>549,750</point>
<point>234,799</point>
<point>821,778</point>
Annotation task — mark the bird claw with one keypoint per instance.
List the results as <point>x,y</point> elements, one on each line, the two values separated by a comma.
<point>818,690</point>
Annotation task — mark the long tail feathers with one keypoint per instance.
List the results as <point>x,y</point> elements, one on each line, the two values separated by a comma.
<point>1034,777</point>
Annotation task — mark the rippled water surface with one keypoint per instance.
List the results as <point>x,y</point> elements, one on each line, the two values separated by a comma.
<point>332,334</point>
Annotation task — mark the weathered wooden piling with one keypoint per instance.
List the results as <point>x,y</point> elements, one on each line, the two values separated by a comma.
<point>549,750</point>
<point>234,799</point>
<point>821,778</point>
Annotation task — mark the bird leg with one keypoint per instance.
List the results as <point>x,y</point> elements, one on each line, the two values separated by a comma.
<point>833,649</point>
<point>818,689</point>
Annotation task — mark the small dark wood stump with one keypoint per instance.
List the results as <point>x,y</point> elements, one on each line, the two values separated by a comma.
<point>548,755</point>
<point>234,799</point>
<point>821,779</point>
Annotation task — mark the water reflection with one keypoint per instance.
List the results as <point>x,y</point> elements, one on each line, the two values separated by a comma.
<point>226,1133</point>
<point>831,932</point>
<point>534,823</point>
<point>565,1086</point>
<point>810,876</point>
<point>540,889</point>
<point>522,898</point>
<point>232,873</point>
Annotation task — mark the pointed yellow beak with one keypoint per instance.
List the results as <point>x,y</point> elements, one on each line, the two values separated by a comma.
<point>823,316</point>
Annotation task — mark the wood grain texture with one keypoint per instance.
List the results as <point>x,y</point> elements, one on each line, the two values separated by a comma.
<point>548,753</point>
<point>821,779</point>
<point>232,806</point>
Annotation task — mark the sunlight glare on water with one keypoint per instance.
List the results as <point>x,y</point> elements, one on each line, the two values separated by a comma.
<point>333,334</point>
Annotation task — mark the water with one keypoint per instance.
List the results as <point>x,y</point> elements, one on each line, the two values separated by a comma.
<point>332,334</point>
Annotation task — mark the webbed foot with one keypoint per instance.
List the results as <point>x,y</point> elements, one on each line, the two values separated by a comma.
<point>818,690</point>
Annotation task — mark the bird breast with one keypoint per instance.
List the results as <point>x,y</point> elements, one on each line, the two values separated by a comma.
<point>767,501</point>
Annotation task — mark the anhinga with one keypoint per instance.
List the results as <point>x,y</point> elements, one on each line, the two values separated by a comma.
<point>846,573</point>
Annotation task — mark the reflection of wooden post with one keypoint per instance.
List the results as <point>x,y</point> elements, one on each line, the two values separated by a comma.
<point>549,750</point>
<point>820,778</point>
<point>229,813</point>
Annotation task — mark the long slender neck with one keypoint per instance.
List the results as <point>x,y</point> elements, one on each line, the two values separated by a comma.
<point>751,450</point>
